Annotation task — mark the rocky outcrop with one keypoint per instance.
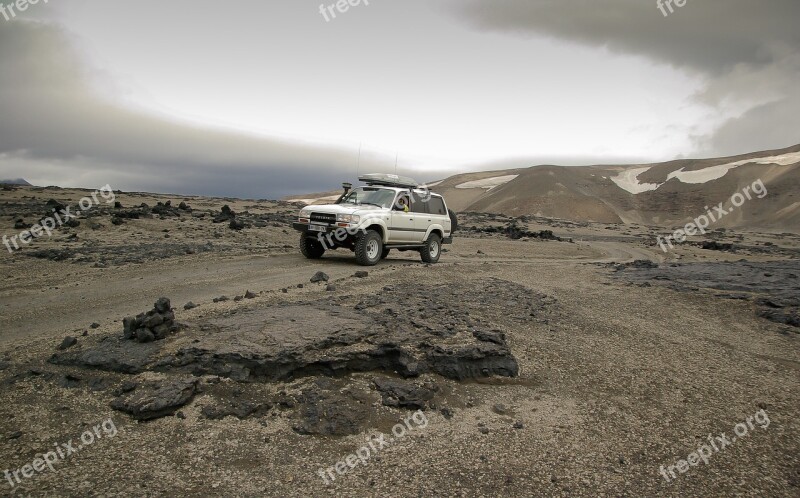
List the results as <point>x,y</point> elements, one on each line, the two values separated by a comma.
<point>154,399</point>
<point>154,325</point>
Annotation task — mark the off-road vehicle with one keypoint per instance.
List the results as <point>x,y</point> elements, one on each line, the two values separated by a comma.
<point>390,212</point>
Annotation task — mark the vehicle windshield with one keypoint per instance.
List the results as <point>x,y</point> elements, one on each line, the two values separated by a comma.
<point>373,196</point>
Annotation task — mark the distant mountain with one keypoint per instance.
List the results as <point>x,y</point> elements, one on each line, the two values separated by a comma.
<point>18,181</point>
<point>667,194</point>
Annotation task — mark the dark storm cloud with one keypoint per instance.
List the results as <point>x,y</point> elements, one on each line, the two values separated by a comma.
<point>746,50</point>
<point>710,35</point>
<point>52,120</point>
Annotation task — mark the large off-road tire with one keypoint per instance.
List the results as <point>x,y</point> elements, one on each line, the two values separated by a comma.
<point>385,253</point>
<point>369,247</point>
<point>432,250</point>
<point>311,248</point>
<point>453,221</point>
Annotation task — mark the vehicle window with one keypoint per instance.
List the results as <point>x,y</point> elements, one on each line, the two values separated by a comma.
<point>370,195</point>
<point>401,202</point>
<point>436,206</point>
<point>418,205</point>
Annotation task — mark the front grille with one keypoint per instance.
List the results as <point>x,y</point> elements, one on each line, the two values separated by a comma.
<point>323,218</point>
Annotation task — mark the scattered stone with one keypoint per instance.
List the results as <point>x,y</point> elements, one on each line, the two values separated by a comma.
<point>125,387</point>
<point>189,306</point>
<point>95,325</point>
<point>221,299</point>
<point>21,225</point>
<point>361,274</point>
<point>69,381</point>
<point>330,288</point>
<point>54,205</point>
<point>404,394</point>
<point>518,425</point>
<point>237,225</point>
<point>493,337</point>
<point>716,246</point>
<point>145,335</point>
<point>320,277</point>
<point>500,409</point>
<point>227,215</point>
<point>165,210</point>
<point>250,295</point>
<point>67,343</point>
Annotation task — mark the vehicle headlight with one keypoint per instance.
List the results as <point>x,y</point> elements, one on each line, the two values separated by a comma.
<point>305,213</point>
<point>348,218</point>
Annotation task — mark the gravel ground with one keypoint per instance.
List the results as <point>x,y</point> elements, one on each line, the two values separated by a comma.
<point>616,379</point>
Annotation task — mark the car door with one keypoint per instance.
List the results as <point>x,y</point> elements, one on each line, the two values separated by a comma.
<point>403,226</point>
<point>424,217</point>
<point>437,214</point>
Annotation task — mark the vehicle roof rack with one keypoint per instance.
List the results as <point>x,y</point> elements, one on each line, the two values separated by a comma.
<point>387,180</point>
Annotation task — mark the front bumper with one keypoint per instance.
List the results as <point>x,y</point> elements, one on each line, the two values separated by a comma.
<point>306,228</point>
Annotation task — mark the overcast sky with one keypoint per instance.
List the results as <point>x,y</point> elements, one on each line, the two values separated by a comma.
<point>265,98</point>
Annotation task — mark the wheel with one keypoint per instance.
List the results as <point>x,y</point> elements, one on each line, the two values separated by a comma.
<point>432,250</point>
<point>453,221</point>
<point>311,248</point>
<point>385,253</point>
<point>369,248</point>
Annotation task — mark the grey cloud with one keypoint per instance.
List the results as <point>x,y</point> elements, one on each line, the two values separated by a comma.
<point>708,35</point>
<point>51,120</point>
<point>746,50</point>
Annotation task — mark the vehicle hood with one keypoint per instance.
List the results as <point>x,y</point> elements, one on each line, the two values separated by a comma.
<point>344,209</point>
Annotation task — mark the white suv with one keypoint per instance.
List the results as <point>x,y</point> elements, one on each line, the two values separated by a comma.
<point>391,212</point>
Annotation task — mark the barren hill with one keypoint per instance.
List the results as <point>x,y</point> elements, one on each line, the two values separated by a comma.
<point>669,194</point>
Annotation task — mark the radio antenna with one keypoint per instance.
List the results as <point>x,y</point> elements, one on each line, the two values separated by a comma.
<point>358,164</point>
<point>395,162</point>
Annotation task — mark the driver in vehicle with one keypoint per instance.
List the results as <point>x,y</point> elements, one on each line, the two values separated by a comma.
<point>402,203</point>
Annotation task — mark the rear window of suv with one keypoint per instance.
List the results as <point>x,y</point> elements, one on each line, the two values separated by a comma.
<point>436,206</point>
